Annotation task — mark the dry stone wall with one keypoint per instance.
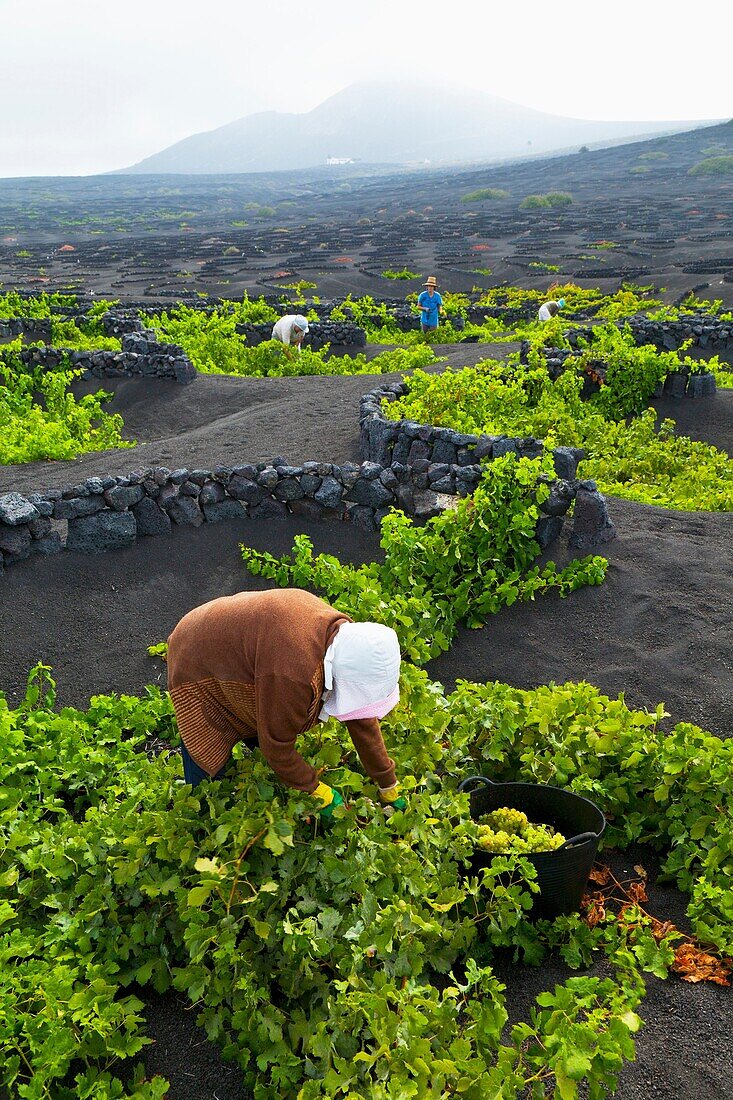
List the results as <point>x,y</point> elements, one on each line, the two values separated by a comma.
<point>106,513</point>
<point>29,328</point>
<point>701,330</point>
<point>435,461</point>
<point>139,356</point>
<point>424,448</point>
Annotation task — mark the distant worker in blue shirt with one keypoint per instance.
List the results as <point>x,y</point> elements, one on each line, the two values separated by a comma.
<point>430,305</point>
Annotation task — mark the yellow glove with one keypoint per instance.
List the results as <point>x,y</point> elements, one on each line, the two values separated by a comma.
<point>392,796</point>
<point>329,799</point>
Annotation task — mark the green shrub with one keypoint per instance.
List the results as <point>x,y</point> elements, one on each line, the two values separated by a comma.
<point>713,166</point>
<point>88,336</point>
<point>722,372</point>
<point>552,198</point>
<point>641,463</point>
<point>13,304</point>
<point>483,193</point>
<point>300,287</point>
<point>250,311</point>
<point>210,339</point>
<point>559,198</point>
<point>215,347</point>
<point>404,274</point>
<point>365,312</point>
<point>99,308</point>
<point>533,202</point>
<point>310,955</point>
<point>41,419</point>
<point>269,359</point>
<point>626,302</point>
<point>456,304</point>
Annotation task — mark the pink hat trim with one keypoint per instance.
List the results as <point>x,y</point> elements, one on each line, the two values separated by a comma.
<point>373,710</point>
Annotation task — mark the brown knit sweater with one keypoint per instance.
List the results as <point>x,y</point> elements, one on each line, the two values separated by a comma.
<point>251,665</point>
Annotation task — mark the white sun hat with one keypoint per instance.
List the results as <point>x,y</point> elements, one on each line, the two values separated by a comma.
<point>301,322</point>
<point>361,672</point>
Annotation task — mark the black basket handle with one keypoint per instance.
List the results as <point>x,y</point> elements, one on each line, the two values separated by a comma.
<point>581,838</point>
<point>481,780</point>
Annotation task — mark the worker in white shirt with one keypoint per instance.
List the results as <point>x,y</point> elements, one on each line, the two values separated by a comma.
<point>290,330</point>
<point>550,309</point>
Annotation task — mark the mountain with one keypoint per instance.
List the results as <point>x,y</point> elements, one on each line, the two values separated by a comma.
<point>389,123</point>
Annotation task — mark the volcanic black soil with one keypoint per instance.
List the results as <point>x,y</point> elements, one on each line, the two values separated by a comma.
<point>659,629</point>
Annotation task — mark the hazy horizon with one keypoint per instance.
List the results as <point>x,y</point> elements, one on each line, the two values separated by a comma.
<point>106,88</point>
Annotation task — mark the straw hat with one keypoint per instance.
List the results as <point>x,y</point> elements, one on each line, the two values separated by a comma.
<point>431,281</point>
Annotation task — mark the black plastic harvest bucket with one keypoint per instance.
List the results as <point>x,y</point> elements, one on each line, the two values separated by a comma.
<point>562,875</point>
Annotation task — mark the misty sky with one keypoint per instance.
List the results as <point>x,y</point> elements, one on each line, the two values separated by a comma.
<point>89,86</point>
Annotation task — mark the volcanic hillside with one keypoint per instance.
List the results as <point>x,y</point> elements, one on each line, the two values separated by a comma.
<point>636,214</point>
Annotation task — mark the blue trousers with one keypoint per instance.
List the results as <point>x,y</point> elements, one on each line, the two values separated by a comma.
<point>194,774</point>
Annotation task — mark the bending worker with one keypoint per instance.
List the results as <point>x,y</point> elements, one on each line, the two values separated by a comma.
<point>290,330</point>
<point>263,667</point>
<point>550,309</point>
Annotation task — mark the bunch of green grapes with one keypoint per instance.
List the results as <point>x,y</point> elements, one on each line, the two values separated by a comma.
<point>492,841</point>
<point>506,819</point>
<point>505,831</point>
<point>543,838</point>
